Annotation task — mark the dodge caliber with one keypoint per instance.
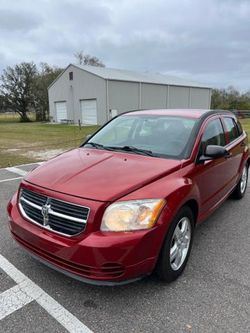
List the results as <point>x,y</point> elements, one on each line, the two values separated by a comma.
<point>126,202</point>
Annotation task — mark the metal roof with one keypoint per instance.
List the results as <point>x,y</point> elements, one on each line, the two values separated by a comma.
<point>133,76</point>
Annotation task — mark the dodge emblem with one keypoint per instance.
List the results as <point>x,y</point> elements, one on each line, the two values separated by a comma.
<point>45,214</point>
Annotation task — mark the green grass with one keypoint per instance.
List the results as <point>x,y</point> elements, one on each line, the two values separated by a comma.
<point>19,141</point>
<point>11,117</point>
<point>246,125</point>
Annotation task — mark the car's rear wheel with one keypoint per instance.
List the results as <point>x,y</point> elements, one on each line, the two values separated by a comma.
<point>241,187</point>
<point>177,246</point>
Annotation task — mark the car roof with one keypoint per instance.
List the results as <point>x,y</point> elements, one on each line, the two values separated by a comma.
<point>188,113</point>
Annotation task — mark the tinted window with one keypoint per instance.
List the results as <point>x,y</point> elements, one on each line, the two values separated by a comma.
<point>213,135</point>
<point>231,128</point>
<point>162,135</point>
<point>240,130</point>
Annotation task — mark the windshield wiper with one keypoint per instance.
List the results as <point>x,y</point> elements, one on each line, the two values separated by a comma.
<point>123,148</point>
<point>131,149</point>
<point>95,145</point>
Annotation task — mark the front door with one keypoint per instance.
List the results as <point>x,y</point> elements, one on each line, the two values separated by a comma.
<point>210,176</point>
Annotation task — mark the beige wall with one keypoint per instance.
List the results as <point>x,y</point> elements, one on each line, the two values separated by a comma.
<point>178,97</point>
<point>153,96</point>
<point>122,96</point>
<point>83,86</point>
<point>200,98</point>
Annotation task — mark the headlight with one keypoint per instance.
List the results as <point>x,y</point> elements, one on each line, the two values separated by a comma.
<point>131,215</point>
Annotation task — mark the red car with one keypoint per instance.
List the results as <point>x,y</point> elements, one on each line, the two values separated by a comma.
<point>126,202</point>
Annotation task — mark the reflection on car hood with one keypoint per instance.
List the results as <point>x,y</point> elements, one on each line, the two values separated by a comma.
<point>99,174</point>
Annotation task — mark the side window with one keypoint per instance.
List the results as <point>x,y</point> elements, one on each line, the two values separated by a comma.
<point>232,128</point>
<point>213,135</point>
<point>240,130</point>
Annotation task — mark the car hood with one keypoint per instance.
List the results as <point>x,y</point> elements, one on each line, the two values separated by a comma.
<point>98,174</point>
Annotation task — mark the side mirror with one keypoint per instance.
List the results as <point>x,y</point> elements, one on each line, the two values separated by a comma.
<point>213,152</point>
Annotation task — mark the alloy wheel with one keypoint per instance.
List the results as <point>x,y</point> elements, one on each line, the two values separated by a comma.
<point>243,181</point>
<point>180,243</point>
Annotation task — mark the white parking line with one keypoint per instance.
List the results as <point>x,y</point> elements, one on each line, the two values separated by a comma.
<point>10,179</point>
<point>27,164</point>
<point>34,292</point>
<point>17,171</point>
<point>12,300</point>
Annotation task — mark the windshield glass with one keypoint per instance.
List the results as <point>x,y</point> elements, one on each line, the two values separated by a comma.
<point>159,136</point>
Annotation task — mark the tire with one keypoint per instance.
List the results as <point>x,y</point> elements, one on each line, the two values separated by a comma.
<point>241,187</point>
<point>170,269</point>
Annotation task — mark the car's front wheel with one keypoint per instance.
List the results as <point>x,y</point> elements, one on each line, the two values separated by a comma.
<point>241,187</point>
<point>176,248</point>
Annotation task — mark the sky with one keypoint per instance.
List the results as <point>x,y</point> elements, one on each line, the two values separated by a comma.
<point>206,41</point>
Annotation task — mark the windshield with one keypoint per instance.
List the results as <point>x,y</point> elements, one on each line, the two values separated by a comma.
<point>153,135</point>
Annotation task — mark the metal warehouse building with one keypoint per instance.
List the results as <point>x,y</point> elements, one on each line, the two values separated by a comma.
<point>93,95</point>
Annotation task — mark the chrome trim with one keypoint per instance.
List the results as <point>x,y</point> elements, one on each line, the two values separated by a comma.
<point>67,202</point>
<point>66,217</point>
<point>30,203</point>
<point>51,212</point>
<point>45,227</point>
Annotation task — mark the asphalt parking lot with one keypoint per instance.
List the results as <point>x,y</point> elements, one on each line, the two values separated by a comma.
<point>213,294</point>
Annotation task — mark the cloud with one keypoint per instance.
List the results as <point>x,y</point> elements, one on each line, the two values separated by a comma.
<point>12,20</point>
<point>205,40</point>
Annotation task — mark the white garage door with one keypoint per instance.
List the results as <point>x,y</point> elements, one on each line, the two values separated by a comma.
<point>61,111</point>
<point>89,112</point>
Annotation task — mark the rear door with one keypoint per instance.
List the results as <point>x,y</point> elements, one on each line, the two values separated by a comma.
<point>236,144</point>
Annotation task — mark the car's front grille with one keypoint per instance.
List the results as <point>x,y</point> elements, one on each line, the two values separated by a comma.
<point>53,214</point>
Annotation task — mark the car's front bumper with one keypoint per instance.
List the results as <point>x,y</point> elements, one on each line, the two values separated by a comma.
<point>97,257</point>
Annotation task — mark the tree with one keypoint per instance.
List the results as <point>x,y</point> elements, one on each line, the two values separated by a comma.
<point>43,79</point>
<point>216,99</point>
<point>86,59</point>
<point>17,88</point>
<point>1,103</point>
<point>230,99</point>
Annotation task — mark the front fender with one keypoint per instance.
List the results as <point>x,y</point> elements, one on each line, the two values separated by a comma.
<point>176,190</point>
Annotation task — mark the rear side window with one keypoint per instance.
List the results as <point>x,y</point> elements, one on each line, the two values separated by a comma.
<point>213,135</point>
<point>231,128</point>
<point>240,130</point>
